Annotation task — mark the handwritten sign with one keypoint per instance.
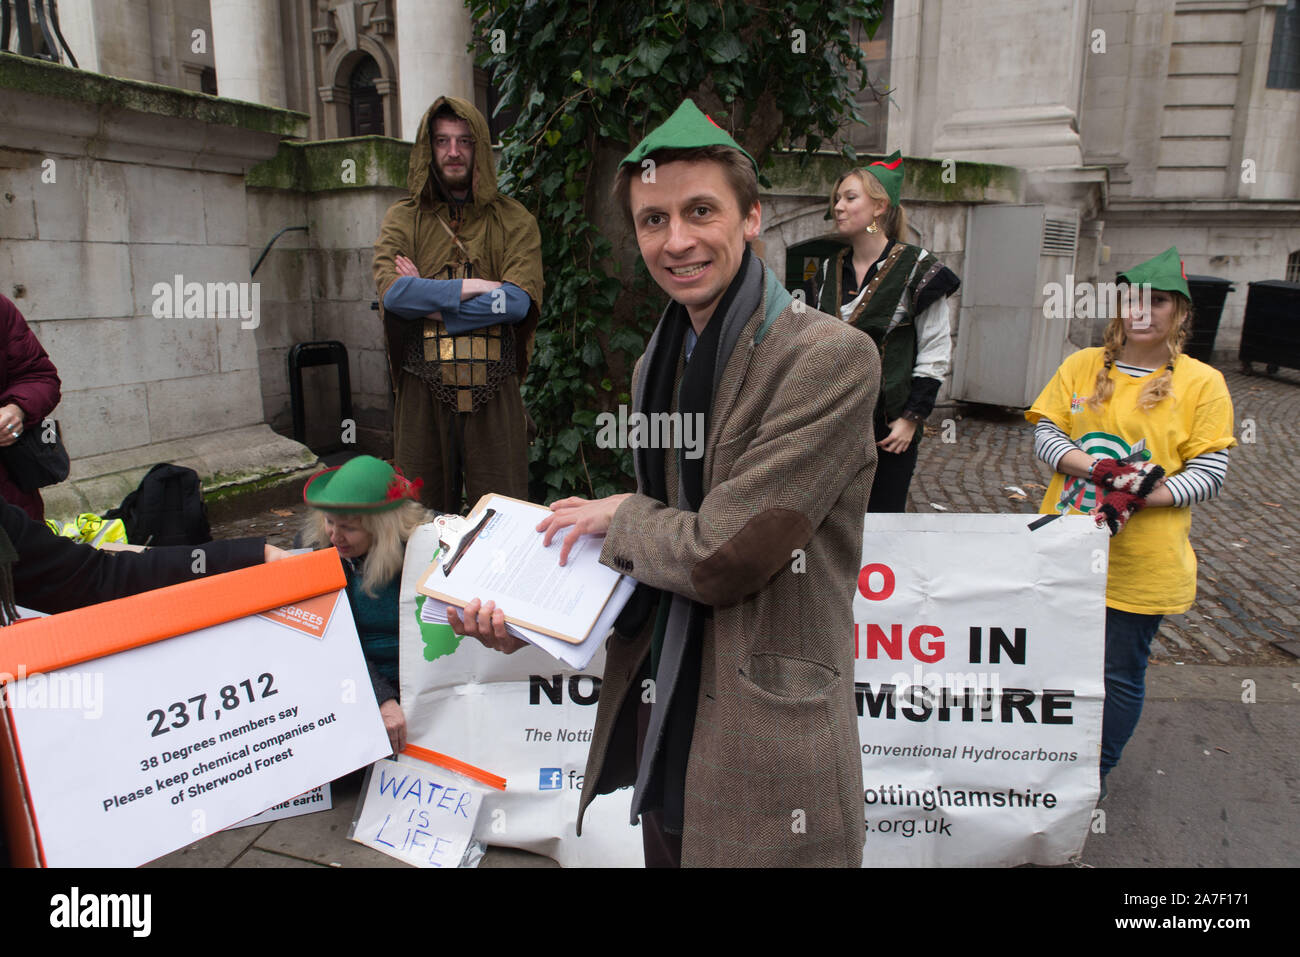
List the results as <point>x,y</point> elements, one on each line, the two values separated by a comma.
<point>418,813</point>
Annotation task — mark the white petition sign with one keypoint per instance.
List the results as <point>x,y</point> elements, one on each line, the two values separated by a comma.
<point>525,717</point>
<point>198,732</point>
<point>979,648</point>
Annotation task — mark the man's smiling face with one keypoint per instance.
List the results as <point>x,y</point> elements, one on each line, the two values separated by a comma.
<point>691,232</point>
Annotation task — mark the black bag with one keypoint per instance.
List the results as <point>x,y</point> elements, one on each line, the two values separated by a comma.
<point>33,463</point>
<point>165,509</point>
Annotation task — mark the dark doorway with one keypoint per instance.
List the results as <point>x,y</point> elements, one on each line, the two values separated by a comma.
<point>367,104</point>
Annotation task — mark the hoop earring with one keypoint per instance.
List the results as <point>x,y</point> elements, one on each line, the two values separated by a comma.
<point>873,229</point>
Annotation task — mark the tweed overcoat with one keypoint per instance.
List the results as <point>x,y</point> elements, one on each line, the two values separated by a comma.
<point>774,776</point>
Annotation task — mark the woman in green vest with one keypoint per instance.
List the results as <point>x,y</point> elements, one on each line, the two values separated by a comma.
<point>367,511</point>
<point>897,293</point>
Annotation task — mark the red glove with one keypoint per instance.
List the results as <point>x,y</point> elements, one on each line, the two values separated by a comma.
<point>1137,479</point>
<point>1117,508</point>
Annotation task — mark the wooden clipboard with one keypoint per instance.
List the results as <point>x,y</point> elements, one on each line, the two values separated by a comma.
<point>427,585</point>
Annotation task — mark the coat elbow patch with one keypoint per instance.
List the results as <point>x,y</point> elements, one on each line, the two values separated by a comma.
<point>749,558</point>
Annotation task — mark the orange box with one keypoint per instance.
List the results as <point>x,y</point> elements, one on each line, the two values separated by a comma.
<point>134,727</point>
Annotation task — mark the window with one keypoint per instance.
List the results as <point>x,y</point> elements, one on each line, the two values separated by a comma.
<point>1284,58</point>
<point>1293,267</point>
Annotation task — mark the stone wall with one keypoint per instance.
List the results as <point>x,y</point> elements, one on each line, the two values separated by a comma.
<point>109,190</point>
<point>318,285</point>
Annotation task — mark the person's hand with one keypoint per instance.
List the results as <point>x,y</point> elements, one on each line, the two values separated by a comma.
<point>470,288</point>
<point>587,517</point>
<point>900,436</point>
<point>487,623</point>
<point>11,424</point>
<point>405,267</point>
<point>272,554</point>
<point>394,723</point>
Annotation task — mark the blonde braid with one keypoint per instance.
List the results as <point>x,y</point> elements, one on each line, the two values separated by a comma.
<point>1162,386</point>
<point>1103,386</point>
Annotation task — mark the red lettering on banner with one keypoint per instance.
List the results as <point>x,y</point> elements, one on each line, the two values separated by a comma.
<point>933,651</point>
<point>892,644</point>
<point>864,581</point>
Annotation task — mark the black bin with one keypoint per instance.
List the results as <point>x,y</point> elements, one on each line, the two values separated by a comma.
<point>1208,295</point>
<point>1271,331</point>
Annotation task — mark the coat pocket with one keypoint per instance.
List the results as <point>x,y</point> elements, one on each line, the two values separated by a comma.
<point>786,676</point>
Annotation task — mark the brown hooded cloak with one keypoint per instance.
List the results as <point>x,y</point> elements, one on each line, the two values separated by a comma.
<point>499,235</point>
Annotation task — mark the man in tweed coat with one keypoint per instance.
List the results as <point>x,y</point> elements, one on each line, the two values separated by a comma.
<point>727,698</point>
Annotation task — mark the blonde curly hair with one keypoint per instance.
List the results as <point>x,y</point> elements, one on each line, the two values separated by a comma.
<point>389,532</point>
<point>1158,388</point>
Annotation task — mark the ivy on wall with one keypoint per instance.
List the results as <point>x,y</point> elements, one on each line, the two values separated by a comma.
<point>587,80</point>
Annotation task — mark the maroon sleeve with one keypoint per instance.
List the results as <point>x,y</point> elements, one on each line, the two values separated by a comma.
<point>29,379</point>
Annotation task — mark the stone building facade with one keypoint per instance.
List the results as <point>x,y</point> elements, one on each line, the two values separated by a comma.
<point>1106,130</point>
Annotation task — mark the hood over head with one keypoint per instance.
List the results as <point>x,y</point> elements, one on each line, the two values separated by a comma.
<point>422,176</point>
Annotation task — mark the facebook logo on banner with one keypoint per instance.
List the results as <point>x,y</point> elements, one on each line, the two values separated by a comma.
<point>550,779</point>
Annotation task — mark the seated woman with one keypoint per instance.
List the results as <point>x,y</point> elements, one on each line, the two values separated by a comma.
<point>367,511</point>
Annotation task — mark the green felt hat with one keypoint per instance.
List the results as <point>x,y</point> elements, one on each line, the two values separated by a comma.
<point>365,484</point>
<point>889,172</point>
<point>687,129</point>
<point>1164,272</point>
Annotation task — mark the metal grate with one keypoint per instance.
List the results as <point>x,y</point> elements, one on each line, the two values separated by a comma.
<point>1060,237</point>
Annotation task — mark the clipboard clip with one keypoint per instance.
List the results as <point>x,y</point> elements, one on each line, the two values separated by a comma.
<point>458,538</point>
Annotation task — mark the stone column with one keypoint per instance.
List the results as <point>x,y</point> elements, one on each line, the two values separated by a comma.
<point>248,46</point>
<point>432,59</point>
<point>998,82</point>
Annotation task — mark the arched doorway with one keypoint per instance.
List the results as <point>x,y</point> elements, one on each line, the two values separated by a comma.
<point>367,106</point>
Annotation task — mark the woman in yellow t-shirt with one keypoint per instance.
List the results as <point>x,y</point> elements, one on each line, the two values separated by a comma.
<point>1137,398</point>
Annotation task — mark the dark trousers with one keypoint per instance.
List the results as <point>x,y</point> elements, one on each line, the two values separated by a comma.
<point>661,848</point>
<point>893,473</point>
<point>480,452</point>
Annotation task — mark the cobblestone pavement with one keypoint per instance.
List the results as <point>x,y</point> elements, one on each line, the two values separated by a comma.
<point>1245,539</point>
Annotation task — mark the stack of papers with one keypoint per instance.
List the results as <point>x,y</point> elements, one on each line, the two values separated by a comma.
<point>575,656</point>
<point>497,555</point>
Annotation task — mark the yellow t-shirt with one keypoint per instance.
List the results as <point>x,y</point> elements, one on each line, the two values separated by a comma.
<point>1152,569</point>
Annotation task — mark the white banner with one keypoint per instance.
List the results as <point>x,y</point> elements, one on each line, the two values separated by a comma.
<point>525,717</point>
<point>979,648</point>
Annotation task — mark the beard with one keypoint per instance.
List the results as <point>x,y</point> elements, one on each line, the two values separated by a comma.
<point>455,178</point>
